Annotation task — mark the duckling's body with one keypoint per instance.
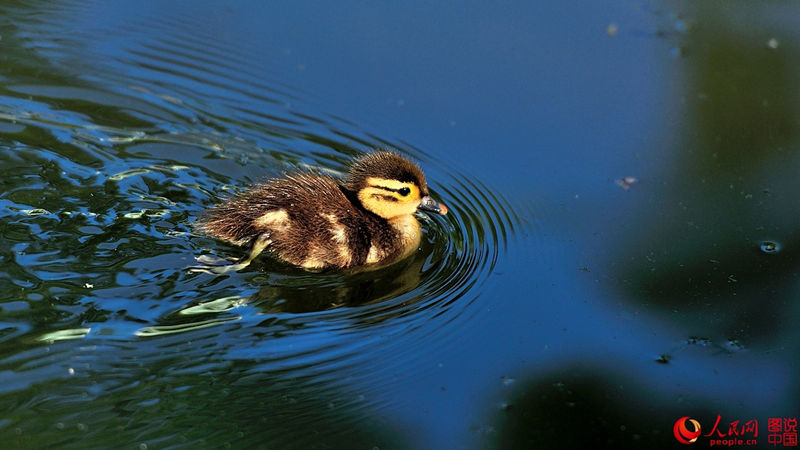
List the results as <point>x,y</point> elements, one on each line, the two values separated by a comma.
<point>314,221</point>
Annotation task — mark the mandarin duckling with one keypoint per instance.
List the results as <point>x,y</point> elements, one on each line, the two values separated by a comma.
<point>315,222</point>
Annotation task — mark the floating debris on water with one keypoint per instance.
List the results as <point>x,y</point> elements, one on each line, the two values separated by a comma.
<point>612,29</point>
<point>773,43</point>
<point>733,345</point>
<point>770,247</point>
<point>694,340</point>
<point>625,183</point>
<point>680,24</point>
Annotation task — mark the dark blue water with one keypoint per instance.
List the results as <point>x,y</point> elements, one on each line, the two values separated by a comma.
<point>621,249</point>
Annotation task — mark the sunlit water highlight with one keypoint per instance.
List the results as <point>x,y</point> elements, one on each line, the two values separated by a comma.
<point>101,181</point>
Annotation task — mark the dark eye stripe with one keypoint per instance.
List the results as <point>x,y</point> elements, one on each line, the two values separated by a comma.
<point>388,188</point>
<point>387,197</point>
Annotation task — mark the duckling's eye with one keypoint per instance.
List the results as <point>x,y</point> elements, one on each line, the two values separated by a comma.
<point>404,191</point>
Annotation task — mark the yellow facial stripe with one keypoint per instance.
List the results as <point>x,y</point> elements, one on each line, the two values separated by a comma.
<point>386,204</point>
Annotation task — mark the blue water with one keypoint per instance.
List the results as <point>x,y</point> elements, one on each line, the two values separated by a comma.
<point>620,251</point>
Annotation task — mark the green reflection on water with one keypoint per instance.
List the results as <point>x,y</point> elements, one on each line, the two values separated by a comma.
<point>732,184</point>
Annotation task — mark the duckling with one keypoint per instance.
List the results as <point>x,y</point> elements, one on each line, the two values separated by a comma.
<point>316,222</point>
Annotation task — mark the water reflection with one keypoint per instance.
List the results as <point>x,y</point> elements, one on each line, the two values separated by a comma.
<point>709,246</point>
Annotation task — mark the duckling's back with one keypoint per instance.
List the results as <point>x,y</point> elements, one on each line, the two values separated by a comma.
<point>309,220</point>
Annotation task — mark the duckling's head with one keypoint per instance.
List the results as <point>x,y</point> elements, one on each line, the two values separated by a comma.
<point>390,186</point>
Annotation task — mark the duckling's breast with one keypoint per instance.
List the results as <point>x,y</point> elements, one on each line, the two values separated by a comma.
<point>328,239</point>
<point>408,234</point>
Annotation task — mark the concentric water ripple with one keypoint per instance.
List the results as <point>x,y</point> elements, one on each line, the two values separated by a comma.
<point>421,296</point>
<point>137,240</point>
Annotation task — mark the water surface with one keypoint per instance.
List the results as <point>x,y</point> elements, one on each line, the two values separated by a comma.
<point>620,252</point>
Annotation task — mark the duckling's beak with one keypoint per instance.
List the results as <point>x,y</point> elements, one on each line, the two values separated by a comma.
<point>429,204</point>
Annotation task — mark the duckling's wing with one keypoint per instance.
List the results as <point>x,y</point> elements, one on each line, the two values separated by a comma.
<point>235,219</point>
<point>251,213</point>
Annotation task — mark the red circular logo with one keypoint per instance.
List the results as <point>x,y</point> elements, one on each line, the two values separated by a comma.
<point>683,434</point>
